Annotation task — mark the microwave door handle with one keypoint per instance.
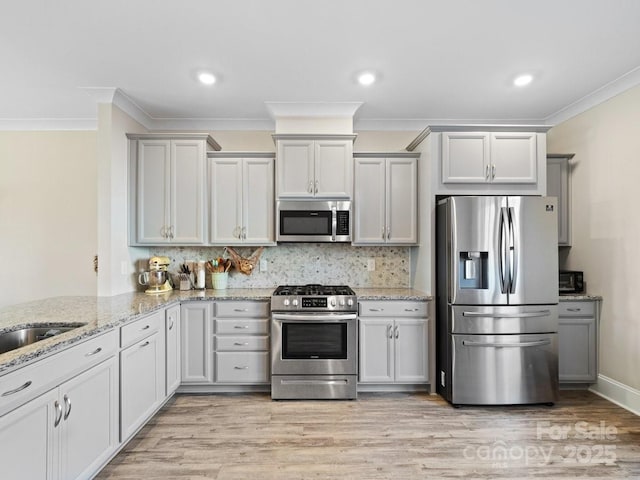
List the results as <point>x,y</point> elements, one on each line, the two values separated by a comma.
<point>334,223</point>
<point>513,252</point>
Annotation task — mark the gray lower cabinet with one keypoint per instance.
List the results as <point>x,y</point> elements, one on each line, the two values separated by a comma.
<point>172,334</point>
<point>196,338</point>
<point>393,342</point>
<point>578,341</point>
<point>242,342</point>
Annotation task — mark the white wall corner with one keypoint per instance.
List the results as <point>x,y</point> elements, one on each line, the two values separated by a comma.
<point>622,395</point>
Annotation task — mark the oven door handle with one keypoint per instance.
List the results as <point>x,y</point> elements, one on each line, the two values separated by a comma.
<point>341,317</point>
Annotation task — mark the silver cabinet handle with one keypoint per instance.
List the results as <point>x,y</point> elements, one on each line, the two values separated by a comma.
<point>145,344</point>
<point>390,331</point>
<point>244,233</point>
<point>16,390</point>
<point>310,187</point>
<point>574,309</point>
<point>163,232</point>
<point>240,309</point>
<point>384,232</point>
<point>58,408</point>
<point>411,309</point>
<point>95,352</point>
<point>171,325</point>
<point>241,368</point>
<point>171,232</point>
<point>241,327</point>
<point>316,191</point>
<point>389,232</point>
<point>241,344</point>
<point>493,172</point>
<point>397,331</point>
<point>67,402</point>
<point>376,309</point>
<point>146,327</point>
<point>486,172</point>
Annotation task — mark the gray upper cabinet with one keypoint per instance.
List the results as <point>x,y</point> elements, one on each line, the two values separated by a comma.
<point>314,166</point>
<point>386,199</point>
<point>559,185</point>
<point>167,188</point>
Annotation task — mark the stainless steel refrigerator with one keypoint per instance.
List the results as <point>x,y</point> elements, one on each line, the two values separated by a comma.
<point>497,300</point>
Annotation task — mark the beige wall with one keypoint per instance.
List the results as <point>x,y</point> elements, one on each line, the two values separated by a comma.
<point>606,222</point>
<point>47,214</point>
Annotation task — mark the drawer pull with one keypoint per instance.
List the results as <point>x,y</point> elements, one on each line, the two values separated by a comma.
<point>411,309</point>
<point>574,309</point>
<point>145,344</point>
<point>240,309</point>
<point>241,344</point>
<point>58,408</point>
<point>241,327</point>
<point>95,352</point>
<point>376,309</point>
<point>241,368</point>
<point>16,390</point>
<point>67,402</point>
<point>146,327</point>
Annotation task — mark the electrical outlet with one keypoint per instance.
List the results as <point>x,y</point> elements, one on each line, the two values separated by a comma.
<point>263,265</point>
<point>371,264</point>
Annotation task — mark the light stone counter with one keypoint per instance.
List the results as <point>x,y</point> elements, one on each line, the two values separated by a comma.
<point>579,297</point>
<point>100,314</point>
<point>392,294</point>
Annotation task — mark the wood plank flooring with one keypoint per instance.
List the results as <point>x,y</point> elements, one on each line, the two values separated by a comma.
<point>381,436</point>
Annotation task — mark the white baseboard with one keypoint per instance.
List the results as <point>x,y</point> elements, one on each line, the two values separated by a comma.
<point>618,393</point>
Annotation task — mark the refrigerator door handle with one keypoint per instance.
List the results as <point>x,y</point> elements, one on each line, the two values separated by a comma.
<point>537,343</point>
<point>513,251</point>
<point>539,313</point>
<point>502,249</point>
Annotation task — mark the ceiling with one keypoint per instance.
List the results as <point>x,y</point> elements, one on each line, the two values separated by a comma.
<point>438,62</point>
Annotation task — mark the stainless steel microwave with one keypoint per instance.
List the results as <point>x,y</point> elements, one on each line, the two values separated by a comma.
<point>571,281</point>
<point>313,221</point>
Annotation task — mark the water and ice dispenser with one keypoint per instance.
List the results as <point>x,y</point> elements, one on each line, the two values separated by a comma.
<point>473,272</point>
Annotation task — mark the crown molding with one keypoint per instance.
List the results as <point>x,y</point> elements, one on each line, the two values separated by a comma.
<point>312,109</point>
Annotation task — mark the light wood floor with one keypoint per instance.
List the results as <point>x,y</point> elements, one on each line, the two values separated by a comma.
<point>399,436</point>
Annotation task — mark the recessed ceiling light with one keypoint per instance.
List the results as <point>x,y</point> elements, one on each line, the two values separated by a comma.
<point>522,80</point>
<point>366,78</point>
<point>207,78</point>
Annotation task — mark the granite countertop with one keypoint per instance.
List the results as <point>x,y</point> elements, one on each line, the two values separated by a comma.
<point>579,297</point>
<point>100,314</point>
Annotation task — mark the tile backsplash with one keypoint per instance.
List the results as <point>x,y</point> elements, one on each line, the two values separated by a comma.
<point>301,263</point>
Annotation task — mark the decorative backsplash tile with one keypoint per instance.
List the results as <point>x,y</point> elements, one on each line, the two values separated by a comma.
<point>292,264</point>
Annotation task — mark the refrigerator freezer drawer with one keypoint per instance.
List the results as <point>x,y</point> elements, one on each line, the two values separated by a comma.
<point>467,319</point>
<point>504,369</point>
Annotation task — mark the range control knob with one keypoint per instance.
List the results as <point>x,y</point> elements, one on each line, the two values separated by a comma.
<point>286,302</point>
<point>294,302</point>
<point>350,302</point>
<point>333,301</point>
<point>342,302</point>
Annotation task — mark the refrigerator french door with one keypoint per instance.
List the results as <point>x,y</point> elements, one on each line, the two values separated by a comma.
<point>497,296</point>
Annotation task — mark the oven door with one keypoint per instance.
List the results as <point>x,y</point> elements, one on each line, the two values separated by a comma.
<point>314,344</point>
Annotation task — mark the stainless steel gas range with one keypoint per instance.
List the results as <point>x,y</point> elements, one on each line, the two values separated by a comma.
<point>314,342</point>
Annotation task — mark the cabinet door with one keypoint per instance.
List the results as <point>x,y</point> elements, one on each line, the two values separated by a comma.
<point>142,378</point>
<point>196,342</point>
<point>558,186</point>
<point>152,191</point>
<point>27,437</point>
<point>465,157</point>
<point>411,350</point>
<point>402,200</point>
<point>513,158</point>
<point>257,201</point>
<point>577,350</point>
<point>89,427</point>
<point>226,201</point>
<point>173,349</point>
<point>295,169</point>
<point>187,192</point>
<point>333,168</point>
<point>376,350</point>
<point>369,204</point>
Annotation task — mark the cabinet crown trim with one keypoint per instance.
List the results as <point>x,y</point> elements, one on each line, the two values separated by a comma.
<point>386,155</point>
<point>319,136</point>
<point>176,136</point>
<point>235,154</point>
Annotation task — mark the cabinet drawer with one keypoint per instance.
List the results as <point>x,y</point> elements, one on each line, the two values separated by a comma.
<point>135,331</point>
<point>26,383</point>
<point>576,309</point>
<point>242,326</point>
<point>242,309</point>
<point>253,343</point>
<point>392,308</point>
<point>245,367</point>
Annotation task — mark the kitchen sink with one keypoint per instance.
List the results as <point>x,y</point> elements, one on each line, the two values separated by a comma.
<point>28,335</point>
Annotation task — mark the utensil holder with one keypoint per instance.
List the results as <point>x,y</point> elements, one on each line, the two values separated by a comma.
<point>219,280</point>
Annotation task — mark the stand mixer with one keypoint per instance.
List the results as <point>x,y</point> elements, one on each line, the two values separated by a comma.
<point>157,278</point>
